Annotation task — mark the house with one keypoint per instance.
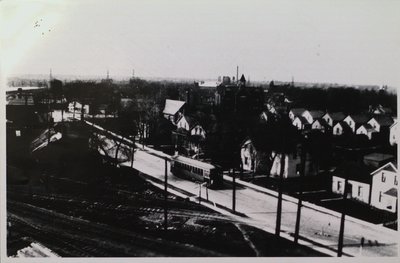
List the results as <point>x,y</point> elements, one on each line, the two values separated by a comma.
<point>300,122</point>
<point>295,112</point>
<point>393,134</point>
<point>381,123</point>
<point>366,129</point>
<point>358,181</point>
<point>341,128</point>
<point>191,132</point>
<point>356,120</point>
<point>173,110</point>
<point>380,110</point>
<point>292,166</point>
<point>333,118</point>
<point>251,155</point>
<point>384,187</point>
<point>320,124</point>
<point>312,115</point>
<point>76,107</point>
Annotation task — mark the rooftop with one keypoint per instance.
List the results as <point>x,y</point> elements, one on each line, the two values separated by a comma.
<point>173,106</point>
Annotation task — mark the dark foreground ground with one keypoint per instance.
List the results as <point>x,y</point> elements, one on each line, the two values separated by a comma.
<point>72,202</point>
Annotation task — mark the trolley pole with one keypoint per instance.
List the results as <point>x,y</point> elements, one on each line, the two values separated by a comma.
<point>234,190</point>
<point>300,202</point>
<point>166,196</point>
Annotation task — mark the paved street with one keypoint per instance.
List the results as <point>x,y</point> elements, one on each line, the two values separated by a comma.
<point>317,228</point>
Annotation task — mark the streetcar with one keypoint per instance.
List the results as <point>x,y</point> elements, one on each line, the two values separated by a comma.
<point>196,170</point>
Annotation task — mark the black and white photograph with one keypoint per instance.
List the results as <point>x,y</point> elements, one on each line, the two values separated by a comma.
<point>227,130</point>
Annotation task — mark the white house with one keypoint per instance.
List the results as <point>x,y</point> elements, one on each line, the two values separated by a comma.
<point>198,130</point>
<point>341,128</point>
<point>354,121</point>
<point>380,122</point>
<point>312,115</point>
<point>366,129</point>
<point>75,106</point>
<point>359,181</point>
<point>393,134</point>
<point>384,187</point>
<point>248,155</point>
<point>333,118</point>
<point>299,122</point>
<point>295,112</point>
<point>319,124</point>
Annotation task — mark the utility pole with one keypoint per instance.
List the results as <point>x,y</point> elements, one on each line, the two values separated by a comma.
<point>166,196</point>
<point>300,198</point>
<point>280,190</point>
<point>234,190</point>
<point>342,219</point>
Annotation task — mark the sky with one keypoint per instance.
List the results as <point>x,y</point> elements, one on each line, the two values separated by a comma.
<point>347,42</point>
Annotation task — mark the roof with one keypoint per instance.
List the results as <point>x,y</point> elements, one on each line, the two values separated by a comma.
<point>172,106</point>
<point>391,192</point>
<point>387,167</point>
<point>297,111</point>
<point>191,121</point>
<point>337,116</point>
<point>354,171</point>
<point>394,124</point>
<point>316,114</point>
<point>209,84</point>
<point>344,125</point>
<point>360,118</point>
<point>322,122</point>
<point>302,119</point>
<point>378,157</point>
<point>383,120</point>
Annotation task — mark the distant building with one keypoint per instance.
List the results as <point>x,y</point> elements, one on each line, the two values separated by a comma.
<point>78,108</point>
<point>300,122</point>
<point>312,115</point>
<point>341,128</point>
<point>381,123</point>
<point>296,112</point>
<point>366,129</point>
<point>356,120</point>
<point>332,118</point>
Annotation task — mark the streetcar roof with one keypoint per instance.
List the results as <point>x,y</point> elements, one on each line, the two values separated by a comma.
<point>193,162</point>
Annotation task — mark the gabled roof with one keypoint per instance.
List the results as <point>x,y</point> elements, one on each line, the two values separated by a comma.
<point>316,114</point>
<point>191,121</point>
<point>387,167</point>
<point>360,118</point>
<point>297,111</point>
<point>322,122</point>
<point>172,106</point>
<point>302,119</point>
<point>367,127</point>
<point>337,116</point>
<point>392,192</point>
<point>394,124</point>
<point>344,125</point>
<point>383,120</point>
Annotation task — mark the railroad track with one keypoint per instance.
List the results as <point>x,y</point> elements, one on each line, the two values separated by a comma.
<point>100,237</point>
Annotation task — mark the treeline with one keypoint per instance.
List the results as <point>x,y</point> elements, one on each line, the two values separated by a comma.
<point>348,100</point>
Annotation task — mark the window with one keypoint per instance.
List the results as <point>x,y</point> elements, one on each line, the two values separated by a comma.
<point>380,196</point>
<point>246,160</point>
<point>383,177</point>
<point>395,181</point>
<point>337,130</point>
<point>339,186</point>
<point>18,133</point>
<point>360,191</point>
